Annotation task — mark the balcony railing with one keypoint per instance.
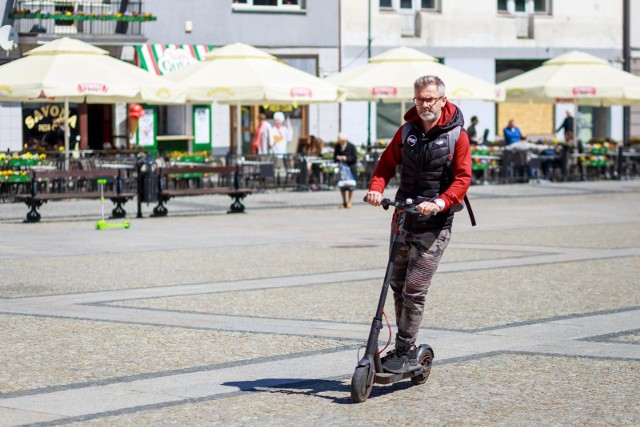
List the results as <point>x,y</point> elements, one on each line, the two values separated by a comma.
<point>92,17</point>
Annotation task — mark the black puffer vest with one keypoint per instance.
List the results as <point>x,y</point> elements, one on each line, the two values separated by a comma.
<point>426,171</point>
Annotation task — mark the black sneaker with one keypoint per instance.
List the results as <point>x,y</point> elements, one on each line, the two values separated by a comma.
<point>399,360</point>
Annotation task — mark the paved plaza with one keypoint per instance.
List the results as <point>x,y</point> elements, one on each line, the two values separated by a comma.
<point>203,318</point>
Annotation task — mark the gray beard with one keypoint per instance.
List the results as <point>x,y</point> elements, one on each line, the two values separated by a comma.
<point>428,117</point>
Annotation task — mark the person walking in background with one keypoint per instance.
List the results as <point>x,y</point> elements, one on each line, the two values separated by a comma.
<point>281,134</point>
<point>346,154</point>
<point>436,177</point>
<point>512,133</point>
<point>472,132</point>
<point>567,125</point>
<point>262,138</point>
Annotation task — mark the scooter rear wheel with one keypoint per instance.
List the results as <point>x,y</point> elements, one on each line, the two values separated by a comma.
<point>360,385</point>
<point>426,369</point>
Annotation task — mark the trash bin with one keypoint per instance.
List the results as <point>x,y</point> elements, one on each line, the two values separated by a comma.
<point>147,182</point>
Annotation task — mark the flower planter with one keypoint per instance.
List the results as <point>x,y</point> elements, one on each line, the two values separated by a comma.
<point>63,17</point>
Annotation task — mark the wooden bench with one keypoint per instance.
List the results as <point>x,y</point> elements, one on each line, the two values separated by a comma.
<point>74,184</point>
<point>178,181</point>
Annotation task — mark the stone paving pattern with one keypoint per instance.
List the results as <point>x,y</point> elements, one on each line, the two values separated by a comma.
<point>203,318</point>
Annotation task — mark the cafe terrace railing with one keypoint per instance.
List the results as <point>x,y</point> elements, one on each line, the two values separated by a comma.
<point>88,17</point>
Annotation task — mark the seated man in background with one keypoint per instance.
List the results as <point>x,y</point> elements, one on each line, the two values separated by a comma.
<point>512,133</point>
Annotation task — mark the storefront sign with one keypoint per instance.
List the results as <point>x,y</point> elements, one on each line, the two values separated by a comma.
<point>165,58</point>
<point>147,128</point>
<point>38,120</point>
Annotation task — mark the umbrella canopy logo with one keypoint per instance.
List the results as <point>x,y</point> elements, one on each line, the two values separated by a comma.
<point>224,91</point>
<point>92,88</point>
<point>584,90</point>
<point>164,93</point>
<point>384,90</point>
<point>461,92</point>
<point>5,90</point>
<point>301,92</point>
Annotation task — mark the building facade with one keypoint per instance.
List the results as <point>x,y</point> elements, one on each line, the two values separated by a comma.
<point>492,40</point>
<point>301,33</point>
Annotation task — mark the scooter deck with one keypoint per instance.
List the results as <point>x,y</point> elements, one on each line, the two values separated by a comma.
<point>390,377</point>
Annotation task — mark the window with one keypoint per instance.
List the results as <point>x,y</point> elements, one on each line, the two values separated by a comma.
<point>429,4</point>
<point>268,5</point>
<point>540,7</point>
<point>405,5</point>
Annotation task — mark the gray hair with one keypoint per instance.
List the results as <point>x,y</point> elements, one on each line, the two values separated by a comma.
<point>425,81</point>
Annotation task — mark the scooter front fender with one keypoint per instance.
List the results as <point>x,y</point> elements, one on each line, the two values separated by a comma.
<point>422,351</point>
<point>368,361</point>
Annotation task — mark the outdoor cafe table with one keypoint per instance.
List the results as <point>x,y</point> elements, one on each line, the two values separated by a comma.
<point>485,171</point>
<point>256,170</point>
<point>324,165</point>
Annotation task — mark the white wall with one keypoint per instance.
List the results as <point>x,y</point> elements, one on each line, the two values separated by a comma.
<point>464,24</point>
<point>220,128</point>
<point>10,126</point>
<point>354,122</point>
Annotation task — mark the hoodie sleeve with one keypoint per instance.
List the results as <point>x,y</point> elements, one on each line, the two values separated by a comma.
<point>461,165</point>
<point>386,167</point>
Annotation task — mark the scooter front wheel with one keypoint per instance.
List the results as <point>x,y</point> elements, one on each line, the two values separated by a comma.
<point>360,385</point>
<point>426,361</point>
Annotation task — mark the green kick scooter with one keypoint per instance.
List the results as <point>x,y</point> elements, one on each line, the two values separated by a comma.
<point>102,224</point>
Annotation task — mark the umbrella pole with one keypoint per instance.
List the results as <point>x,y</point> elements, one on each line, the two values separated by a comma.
<point>238,130</point>
<point>575,126</point>
<point>67,133</point>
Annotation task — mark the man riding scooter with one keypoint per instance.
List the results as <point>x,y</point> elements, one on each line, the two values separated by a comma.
<point>433,153</point>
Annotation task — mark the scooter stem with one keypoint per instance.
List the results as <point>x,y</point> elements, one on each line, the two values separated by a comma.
<point>376,324</point>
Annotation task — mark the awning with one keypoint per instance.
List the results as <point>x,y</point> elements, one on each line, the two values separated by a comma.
<point>165,58</point>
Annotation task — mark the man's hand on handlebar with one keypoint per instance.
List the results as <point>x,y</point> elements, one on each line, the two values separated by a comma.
<point>427,208</point>
<point>373,198</point>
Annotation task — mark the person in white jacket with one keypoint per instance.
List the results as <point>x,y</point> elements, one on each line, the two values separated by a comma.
<point>281,133</point>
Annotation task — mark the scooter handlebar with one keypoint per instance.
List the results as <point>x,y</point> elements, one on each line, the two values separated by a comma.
<point>406,206</point>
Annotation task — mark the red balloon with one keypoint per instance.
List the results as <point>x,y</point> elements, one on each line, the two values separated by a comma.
<point>136,111</point>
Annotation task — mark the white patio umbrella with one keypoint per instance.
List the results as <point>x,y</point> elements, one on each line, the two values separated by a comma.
<point>69,70</point>
<point>242,74</point>
<point>574,77</point>
<point>389,77</point>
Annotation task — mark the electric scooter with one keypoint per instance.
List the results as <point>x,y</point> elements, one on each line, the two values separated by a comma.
<point>369,369</point>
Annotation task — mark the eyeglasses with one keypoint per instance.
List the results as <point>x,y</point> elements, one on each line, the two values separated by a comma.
<point>430,101</point>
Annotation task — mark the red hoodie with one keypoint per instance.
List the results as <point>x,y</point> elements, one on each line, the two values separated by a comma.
<point>461,164</point>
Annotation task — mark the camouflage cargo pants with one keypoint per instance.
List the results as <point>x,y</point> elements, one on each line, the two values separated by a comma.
<point>415,263</point>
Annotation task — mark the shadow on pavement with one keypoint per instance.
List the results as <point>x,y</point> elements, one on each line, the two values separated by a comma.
<point>337,391</point>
